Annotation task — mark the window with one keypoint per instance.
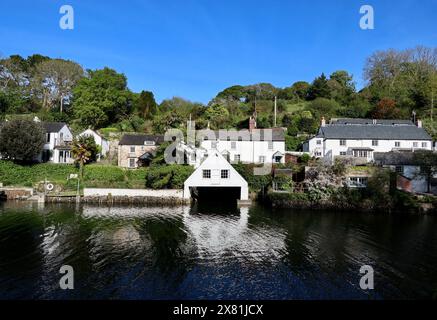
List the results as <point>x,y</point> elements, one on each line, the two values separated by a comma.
<point>375,143</point>
<point>233,145</point>
<point>270,145</point>
<point>132,163</point>
<point>318,154</point>
<point>357,182</point>
<point>206,174</point>
<point>342,142</point>
<point>132,149</point>
<point>262,159</point>
<point>399,169</point>
<point>224,174</point>
<point>424,145</point>
<point>214,144</point>
<point>319,142</point>
<point>361,153</point>
<point>278,159</point>
<point>342,153</point>
<point>240,139</point>
<point>415,144</point>
<point>397,144</point>
<point>237,158</point>
<point>48,137</point>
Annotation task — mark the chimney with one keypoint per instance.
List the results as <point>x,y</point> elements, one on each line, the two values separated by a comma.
<point>323,122</point>
<point>419,123</point>
<point>252,124</point>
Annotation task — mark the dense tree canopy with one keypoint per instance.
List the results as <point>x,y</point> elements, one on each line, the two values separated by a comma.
<point>398,82</point>
<point>21,140</point>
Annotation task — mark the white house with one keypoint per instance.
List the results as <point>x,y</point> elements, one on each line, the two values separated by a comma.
<point>100,141</point>
<point>406,166</point>
<point>246,146</point>
<point>57,148</point>
<point>216,172</point>
<point>361,138</point>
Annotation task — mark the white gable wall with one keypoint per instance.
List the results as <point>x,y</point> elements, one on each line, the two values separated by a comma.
<point>216,162</point>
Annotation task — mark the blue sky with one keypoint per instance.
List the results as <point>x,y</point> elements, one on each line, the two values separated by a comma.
<point>194,49</point>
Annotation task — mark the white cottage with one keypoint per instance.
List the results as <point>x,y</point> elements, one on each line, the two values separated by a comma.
<point>361,138</point>
<point>100,141</point>
<point>216,172</point>
<point>57,147</point>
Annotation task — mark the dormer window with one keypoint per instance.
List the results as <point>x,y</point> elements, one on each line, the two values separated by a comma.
<point>149,143</point>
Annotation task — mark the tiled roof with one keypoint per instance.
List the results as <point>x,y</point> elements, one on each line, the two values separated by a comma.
<point>392,130</point>
<point>52,126</point>
<point>140,139</point>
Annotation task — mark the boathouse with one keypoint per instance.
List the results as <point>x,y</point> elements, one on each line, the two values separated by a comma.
<point>215,177</point>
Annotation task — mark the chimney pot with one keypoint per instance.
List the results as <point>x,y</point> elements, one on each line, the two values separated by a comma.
<point>419,123</point>
<point>323,122</point>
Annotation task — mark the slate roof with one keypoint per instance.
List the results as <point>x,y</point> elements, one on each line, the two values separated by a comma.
<point>391,130</point>
<point>277,134</point>
<point>47,126</point>
<point>52,126</point>
<point>139,139</point>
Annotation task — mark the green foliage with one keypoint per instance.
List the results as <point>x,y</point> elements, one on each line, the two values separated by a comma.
<point>305,158</point>
<point>256,182</point>
<point>21,140</point>
<point>167,177</point>
<point>102,98</point>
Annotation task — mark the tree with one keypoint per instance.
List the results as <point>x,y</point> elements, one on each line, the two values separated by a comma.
<point>386,109</point>
<point>55,79</point>
<point>84,150</point>
<point>342,86</point>
<point>145,104</point>
<point>319,88</point>
<point>21,140</point>
<point>105,93</point>
<point>427,160</point>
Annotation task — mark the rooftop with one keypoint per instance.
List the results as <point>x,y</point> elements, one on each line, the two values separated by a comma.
<point>370,129</point>
<point>140,139</point>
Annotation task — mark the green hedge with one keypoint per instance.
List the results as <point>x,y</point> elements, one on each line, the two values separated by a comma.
<point>256,183</point>
<point>167,177</point>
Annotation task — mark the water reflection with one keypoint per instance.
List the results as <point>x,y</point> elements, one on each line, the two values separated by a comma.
<point>217,252</point>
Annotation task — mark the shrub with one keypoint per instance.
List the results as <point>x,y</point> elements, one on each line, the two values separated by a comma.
<point>167,177</point>
<point>256,183</point>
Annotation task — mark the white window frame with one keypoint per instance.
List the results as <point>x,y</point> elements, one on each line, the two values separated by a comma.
<point>270,145</point>
<point>132,163</point>
<point>424,145</point>
<point>397,144</point>
<point>375,143</point>
<point>262,159</point>
<point>237,157</point>
<point>233,145</point>
<point>343,142</point>
<point>132,148</point>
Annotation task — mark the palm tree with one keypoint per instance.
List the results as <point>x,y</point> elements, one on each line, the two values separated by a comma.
<point>81,153</point>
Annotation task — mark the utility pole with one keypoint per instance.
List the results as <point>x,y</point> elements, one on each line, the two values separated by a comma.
<point>275,112</point>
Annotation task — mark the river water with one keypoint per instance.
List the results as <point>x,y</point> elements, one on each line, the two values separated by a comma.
<point>213,252</point>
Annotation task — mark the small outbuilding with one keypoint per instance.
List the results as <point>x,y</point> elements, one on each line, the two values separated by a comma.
<point>216,177</point>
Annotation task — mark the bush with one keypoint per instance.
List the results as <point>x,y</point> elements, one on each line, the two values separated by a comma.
<point>167,177</point>
<point>256,183</point>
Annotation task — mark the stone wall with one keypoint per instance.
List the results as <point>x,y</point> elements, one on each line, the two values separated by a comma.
<point>124,154</point>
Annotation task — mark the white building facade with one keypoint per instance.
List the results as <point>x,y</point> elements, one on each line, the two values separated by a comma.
<point>216,172</point>
<point>254,146</point>
<point>100,141</point>
<point>57,147</point>
<point>361,138</point>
